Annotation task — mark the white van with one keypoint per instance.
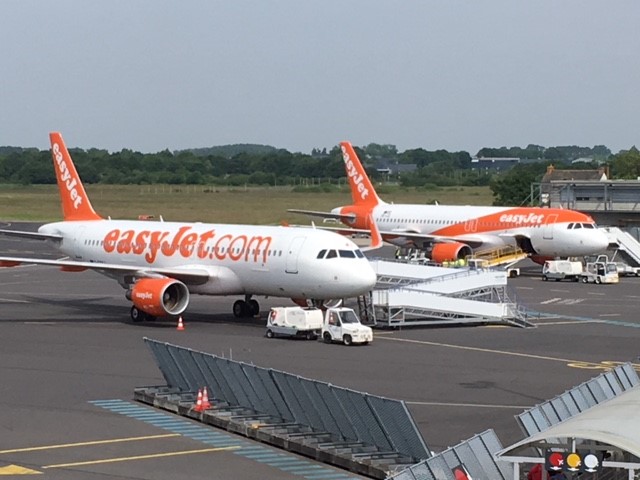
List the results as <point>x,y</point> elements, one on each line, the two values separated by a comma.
<point>294,322</point>
<point>562,270</point>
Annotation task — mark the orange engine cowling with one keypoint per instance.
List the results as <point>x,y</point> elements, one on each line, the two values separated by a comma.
<point>160,296</point>
<point>540,259</point>
<point>447,252</point>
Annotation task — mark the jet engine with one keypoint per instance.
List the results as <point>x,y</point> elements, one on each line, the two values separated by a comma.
<point>159,296</point>
<point>446,252</point>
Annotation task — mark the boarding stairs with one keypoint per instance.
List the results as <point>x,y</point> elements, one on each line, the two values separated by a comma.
<point>624,243</point>
<point>409,294</point>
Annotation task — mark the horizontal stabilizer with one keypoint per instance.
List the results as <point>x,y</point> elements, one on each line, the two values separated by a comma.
<point>32,235</point>
<point>337,216</point>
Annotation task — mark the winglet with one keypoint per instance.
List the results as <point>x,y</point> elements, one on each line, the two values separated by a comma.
<point>376,238</point>
<point>362,191</point>
<point>75,202</point>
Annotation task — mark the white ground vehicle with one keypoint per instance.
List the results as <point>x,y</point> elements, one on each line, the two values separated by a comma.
<point>562,270</point>
<point>625,270</point>
<point>600,272</point>
<point>481,263</point>
<point>294,322</point>
<point>343,325</point>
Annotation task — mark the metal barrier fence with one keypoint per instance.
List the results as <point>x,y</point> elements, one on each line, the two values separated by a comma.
<point>473,457</point>
<point>354,416</point>
<point>578,399</point>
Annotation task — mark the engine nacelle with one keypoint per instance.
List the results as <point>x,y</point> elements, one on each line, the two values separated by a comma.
<point>540,259</point>
<point>160,296</point>
<point>447,252</point>
<point>328,303</point>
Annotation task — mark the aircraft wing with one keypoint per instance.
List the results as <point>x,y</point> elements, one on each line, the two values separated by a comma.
<point>187,275</point>
<point>313,213</point>
<point>472,241</point>
<point>32,235</point>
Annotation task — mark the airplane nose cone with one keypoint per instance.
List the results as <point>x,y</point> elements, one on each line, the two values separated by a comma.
<point>600,241</point>
<point>370,278</point>
<point>363,278</point>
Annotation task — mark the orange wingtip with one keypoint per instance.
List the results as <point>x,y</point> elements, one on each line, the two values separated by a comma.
<point>71,268</point>
<point>9,263</point>
<point>376,238</point>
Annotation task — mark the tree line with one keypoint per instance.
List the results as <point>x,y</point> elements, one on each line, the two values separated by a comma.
<point>236,165</point>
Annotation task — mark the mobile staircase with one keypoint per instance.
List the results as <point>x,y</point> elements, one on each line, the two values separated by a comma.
<point>408,294</point>
<point>624,244</point>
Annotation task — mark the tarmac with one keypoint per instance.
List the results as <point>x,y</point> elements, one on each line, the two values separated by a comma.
<point>69,352</point>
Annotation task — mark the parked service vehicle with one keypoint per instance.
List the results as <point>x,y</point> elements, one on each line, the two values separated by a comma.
<point>625,270</point>
<point>294,322</point>
<point>343,325</point>
<point>600,272</point>
<point>562,270</point>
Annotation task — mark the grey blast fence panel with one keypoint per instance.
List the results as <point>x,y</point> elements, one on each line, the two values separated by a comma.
<point>348,414</point>
<point>604,387</point>
<point>475,454</point>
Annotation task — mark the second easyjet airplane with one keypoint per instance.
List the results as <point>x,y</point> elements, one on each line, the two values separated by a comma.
<point>451,232</point>
<point>161,263</point>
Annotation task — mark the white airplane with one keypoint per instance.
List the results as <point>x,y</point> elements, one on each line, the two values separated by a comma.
<point>161,263</point>
<point>451,232</point>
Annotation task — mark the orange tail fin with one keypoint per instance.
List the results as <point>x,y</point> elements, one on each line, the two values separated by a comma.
<point>362,191</point>
<point>75,202</point>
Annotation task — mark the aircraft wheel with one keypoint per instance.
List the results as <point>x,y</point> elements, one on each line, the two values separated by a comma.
<point>137,315</point>
<point>254,307</point>
<point>240,308</point>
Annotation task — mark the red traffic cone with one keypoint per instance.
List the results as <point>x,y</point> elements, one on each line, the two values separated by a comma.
<point>205,399</point>
<point>180,326</point>
<point>198,407</point>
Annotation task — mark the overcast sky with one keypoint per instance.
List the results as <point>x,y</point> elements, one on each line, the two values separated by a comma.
<point>298,74</point>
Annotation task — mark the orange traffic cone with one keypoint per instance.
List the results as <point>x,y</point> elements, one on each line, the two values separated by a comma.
<point>180,324</point>
<point>205,399</point>
<point>198,407</point>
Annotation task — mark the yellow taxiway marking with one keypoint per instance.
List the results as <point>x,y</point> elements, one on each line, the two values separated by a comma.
<point>17,470</point>
<point>95,442</point>
<point>141,457</point>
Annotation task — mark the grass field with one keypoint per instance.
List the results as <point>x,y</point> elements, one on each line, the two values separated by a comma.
<point>251,205</point>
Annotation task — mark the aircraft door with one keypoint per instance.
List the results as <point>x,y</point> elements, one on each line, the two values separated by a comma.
<point>547,232</point>
<point>292,254</point>
<point>77,243</point>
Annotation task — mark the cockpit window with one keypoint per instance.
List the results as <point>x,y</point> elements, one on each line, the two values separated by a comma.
<point>578,225</point>
<point>322,253</point>
<point>347,253</point>
<point>570,226</point>
<point>588,225</point>
<point>359,254</point>
<point>332,254</point>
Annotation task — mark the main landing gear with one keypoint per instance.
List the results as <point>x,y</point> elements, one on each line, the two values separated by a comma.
<point>246,308</point>
<point>138,315</point>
